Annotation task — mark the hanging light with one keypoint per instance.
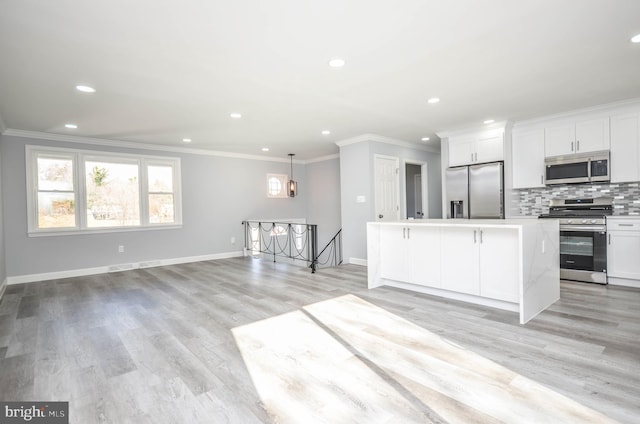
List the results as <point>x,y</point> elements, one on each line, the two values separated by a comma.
<point>293,186</point>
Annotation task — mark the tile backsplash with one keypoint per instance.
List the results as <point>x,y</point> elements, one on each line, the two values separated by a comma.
<point>535,201</point>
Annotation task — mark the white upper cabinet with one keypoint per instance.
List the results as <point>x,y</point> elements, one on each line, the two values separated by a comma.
<point>625,147</point>
<point>476,148</point>
<point>461,151</point>
<point>570,137</point>
<point>527,156</point>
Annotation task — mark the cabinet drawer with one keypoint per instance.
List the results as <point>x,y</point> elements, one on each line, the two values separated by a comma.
<point>623,225</point>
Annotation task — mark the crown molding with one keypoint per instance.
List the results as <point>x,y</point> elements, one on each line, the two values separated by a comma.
<point>386,140</point>
<point>145,146</point>
<point>622,105</point>
<point>322,158</point>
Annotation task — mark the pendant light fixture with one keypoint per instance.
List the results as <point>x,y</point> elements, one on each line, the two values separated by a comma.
<point>293,186</point>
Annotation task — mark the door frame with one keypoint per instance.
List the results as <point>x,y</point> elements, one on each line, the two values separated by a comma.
<point>425,188</point>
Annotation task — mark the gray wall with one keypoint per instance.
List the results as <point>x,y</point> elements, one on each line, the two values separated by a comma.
<point>357,178</point>
<point>217,194</point>
<point>323,198</point>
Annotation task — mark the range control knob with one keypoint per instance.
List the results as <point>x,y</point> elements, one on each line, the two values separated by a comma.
<point>593,221</point>
<point>584,221</point>
<point>569,221</point>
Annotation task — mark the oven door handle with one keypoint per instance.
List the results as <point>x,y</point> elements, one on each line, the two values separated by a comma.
<point>583,228</point>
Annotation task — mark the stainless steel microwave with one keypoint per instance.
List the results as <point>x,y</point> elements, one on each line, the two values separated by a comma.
<point>578,168</point>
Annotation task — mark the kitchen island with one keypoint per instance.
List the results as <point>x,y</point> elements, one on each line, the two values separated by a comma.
<point>511,264</point>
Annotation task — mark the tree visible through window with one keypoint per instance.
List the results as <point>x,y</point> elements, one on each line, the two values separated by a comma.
<point>113,195</point>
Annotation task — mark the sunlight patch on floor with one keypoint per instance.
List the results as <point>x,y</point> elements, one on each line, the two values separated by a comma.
<point>346,360</point>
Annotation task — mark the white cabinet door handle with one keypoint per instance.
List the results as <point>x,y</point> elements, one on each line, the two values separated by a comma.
<point>408,233</point>
<point>480,236</point>
<point>404,233</point>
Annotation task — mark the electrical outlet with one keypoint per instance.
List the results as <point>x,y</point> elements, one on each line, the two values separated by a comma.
<point>121,249</point>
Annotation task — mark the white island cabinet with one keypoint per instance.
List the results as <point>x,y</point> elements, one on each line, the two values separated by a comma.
<point>511,264</point>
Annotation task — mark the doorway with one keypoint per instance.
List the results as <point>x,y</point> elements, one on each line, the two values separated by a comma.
<point>415,190</point>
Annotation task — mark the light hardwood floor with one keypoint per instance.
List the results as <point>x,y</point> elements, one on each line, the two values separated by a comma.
<point>244,340</point>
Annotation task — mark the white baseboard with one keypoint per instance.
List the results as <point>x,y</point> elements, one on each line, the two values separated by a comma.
<point>625,282</point>
<point>358,261</point>
<point>30,278</point>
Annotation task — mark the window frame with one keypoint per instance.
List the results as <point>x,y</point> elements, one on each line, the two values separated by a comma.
<point>283,179</point>
<point>79,159</point>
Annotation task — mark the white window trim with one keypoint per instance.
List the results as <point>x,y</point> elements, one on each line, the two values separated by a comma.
<point>283,178</point>
<point>79,157</point>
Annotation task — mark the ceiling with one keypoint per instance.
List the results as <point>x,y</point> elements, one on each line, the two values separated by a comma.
<point>166,70</point>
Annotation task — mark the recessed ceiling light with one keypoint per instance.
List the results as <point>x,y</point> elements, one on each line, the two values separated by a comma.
<point>336,63</point>
<point>489,121</point>
<point>635,38</point>
<point>186,140</point>
<point>265,149</point>
<point>235,115</point>
<point>71,126</point>
<point>85,89</point>
<point>326,132</point>
<point>425,139</point>
<point>433,100</point>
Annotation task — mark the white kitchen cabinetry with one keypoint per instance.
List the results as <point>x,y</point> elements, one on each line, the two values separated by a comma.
<point>512,264</point>
<point>625,147</point>
<point>576,137</point>
<point>527,156</point>
<point>477,148</point>
<point>460,260</point>
<point>481,261</point>
<point>411,253</point>
<point>498,264</point>
<point>623,251</point>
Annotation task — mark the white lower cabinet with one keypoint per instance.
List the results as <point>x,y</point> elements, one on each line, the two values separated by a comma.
<point>410,254</point>
<point>499,264</point>
<point>482,261</point>
<point>460,260</point>
<point>623,248</point>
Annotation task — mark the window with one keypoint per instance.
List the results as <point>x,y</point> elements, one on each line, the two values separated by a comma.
<point>95,191</point>
<point>276,185</point>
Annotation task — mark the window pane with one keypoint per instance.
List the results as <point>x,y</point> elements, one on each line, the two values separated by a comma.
<point>55,174</point>
<point>161,209</point>
<point>160,179</point>
<point>56,210</point>
<point>112,194</point>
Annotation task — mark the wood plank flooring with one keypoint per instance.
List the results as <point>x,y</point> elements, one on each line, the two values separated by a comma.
<point>169,344</point>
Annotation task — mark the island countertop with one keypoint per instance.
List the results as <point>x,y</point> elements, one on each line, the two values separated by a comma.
<point>475,223</point>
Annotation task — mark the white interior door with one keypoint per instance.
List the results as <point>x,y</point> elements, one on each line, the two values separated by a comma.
<point>387,188</point>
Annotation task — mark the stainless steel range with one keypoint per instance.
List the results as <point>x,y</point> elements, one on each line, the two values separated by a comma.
<point>583,237</point>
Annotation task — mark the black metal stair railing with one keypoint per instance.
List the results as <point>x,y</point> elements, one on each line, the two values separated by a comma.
<point>332,252</point>
<point>291,240</point>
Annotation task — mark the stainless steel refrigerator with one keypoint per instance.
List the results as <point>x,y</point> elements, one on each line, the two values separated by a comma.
<point>475,191</point>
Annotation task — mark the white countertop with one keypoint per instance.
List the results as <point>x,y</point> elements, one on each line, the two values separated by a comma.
<point>486,223</point>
